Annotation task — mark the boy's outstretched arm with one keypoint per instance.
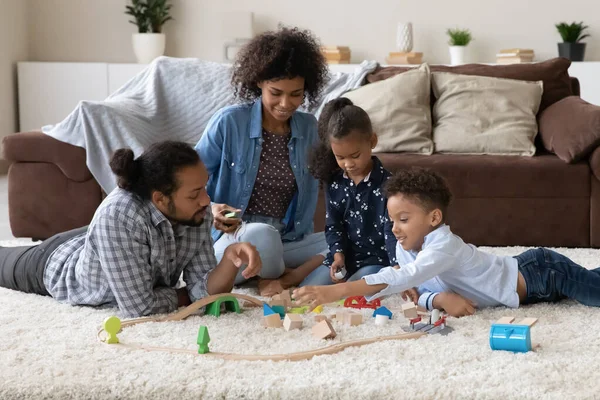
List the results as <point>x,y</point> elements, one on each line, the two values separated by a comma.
<point>314,296</point>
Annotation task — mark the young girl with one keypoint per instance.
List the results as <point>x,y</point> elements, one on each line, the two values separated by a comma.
<point>358,231</point>
<point>429,253</point>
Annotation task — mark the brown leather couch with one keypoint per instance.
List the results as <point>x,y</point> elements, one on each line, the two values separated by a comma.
<point>498,200</point>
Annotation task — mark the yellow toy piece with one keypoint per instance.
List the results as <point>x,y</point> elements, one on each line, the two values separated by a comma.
<point>112,326</point>
<point>318,309</point>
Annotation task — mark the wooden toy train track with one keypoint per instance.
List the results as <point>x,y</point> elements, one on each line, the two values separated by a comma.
<point>299,356</point>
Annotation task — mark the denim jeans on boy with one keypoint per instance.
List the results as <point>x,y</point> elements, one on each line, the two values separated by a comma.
<point>551,277</point>
<point>320,276</point>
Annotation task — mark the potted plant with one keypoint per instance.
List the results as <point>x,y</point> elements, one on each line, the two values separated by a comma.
<point>459,40</point>
<point>149,16</point>
<point>572,34</point>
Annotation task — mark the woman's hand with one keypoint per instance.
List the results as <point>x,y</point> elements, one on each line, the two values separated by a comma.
<point>314,296</point>
<point>222,223</point>
<point>339,262</point>
<point>244,254</point>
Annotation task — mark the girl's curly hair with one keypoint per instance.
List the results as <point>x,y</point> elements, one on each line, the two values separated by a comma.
<point>338,119</point>
<point>283,54</point>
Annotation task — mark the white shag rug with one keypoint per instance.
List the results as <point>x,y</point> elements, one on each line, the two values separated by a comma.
<point>49,350</point>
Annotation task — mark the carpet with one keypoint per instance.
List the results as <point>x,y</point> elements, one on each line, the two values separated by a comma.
<point>49,350</point>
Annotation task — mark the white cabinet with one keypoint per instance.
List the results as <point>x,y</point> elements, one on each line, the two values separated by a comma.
<point>48,92</point>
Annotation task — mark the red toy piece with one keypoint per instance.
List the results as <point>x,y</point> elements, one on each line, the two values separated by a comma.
<point>361,302</point>
<point>440,321</point>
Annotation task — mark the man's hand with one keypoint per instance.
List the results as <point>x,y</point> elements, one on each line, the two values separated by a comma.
<point>339,262</point>
<point>411,294</point>
<point>314,296</point>
<point>226,225</point>
<point>454,304</point>
<point>244,253</point>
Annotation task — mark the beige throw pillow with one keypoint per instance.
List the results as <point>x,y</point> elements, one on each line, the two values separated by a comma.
<point>482,115</point>
<point>400,111</point>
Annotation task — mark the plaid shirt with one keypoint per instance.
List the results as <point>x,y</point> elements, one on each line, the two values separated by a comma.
<point>131,257</point>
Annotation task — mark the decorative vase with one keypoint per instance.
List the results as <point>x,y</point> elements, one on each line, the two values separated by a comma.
<point>148,46</point>
<point>457,55</point>
<point>572,51</point>
<point>404,37</point>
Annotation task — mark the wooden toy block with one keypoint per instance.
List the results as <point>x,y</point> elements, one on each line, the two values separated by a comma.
<point>409,310</point>
<point>286,296</point>
<point>292,321</point>
<point>353,319</point>
<point>323,330</point>
<point>279,303</point>
<point>383,311</point>
<point>527,321</point>
<point>112,326</point>
<point>272,321</point>
<point>298,310</point>
<point>320,317</point>
<point>505,320</point>
<point>203,339</point>
<point>318,309</point>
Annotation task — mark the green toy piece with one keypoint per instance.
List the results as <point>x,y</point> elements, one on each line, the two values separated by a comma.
<point>112,326</point>
<point>298,310</point>
<point>231,304</point>
<point>203,340</point>
<point>279,310</point>
<point>232,214</point>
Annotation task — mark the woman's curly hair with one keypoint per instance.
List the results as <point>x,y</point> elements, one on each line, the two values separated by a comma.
<point>283,54</point>
<point>427,188</point>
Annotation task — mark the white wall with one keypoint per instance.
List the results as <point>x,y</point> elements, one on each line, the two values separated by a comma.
<point>97,30</point>
<point>13,48</point>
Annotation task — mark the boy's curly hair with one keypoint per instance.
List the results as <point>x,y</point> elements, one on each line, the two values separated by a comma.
<point>428,189</point>
<point>283,54</point>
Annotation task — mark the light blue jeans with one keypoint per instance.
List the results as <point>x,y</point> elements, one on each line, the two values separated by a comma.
<point>320,276</point>
<point>265,234</point>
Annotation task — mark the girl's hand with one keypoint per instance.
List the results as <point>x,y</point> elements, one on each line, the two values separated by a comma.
<point>339,262</point>
<point>314,296</point>
<point>411,294</point>
<point>454,304</point>
<point>226,225</point>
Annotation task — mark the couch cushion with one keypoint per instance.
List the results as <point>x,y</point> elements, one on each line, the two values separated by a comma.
<point>400,111</point>
<point>544,176</point>
<point>554,73</point>
<point>482,115</point>
<point>570,128</point>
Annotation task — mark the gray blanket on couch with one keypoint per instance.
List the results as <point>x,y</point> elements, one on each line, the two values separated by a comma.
<point>171,99</point>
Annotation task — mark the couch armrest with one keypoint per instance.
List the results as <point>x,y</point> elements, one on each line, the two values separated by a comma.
<point>37,147</point>
<point>594,161</point>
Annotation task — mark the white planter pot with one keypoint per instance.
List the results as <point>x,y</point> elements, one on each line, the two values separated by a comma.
<point>457,55</point>
<point>404,37</point>
<point>148,46</point>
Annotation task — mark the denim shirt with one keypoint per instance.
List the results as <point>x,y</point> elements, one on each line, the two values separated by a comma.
<point>230,149</point>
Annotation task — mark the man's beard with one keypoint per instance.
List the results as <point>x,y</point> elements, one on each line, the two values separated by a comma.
<point>186,222</point>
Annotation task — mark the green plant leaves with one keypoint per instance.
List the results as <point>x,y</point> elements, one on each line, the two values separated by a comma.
<point>573,32</point>
<point>149,15</point>
<point>459,37</point>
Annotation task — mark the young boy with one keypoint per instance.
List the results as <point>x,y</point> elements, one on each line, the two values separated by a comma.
<point>430,255</point>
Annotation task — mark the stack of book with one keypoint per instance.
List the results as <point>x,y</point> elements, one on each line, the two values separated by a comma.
<point>336,54</point>
<point>404,58</point>
<point>515,56</point>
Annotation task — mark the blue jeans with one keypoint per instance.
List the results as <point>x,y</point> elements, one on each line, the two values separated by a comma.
<point>320,276</point>
<point>265,234</point>
<point>551,277</point>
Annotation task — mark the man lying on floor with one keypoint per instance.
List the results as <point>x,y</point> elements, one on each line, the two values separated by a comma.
<point>148,231</point>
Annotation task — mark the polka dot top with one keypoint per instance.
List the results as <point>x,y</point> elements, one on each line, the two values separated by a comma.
<point>275,184</point>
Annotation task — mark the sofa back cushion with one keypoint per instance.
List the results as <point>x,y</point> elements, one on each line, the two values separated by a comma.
<point>482,115</point>
<point>400,111</point>
<point>554,74</point>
